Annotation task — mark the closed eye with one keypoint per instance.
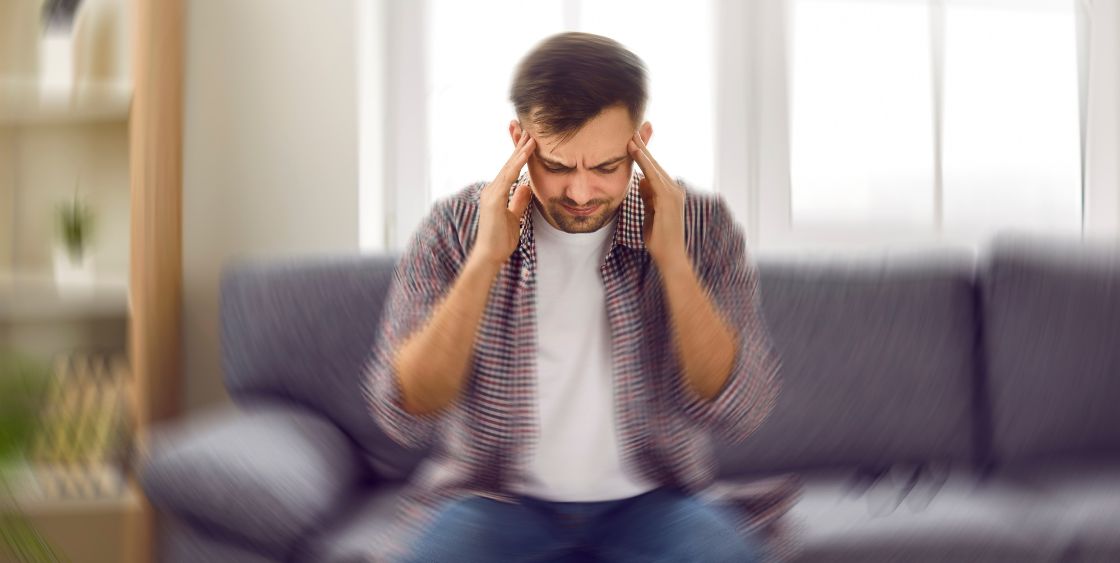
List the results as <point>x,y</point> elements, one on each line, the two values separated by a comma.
<point>564,170</point>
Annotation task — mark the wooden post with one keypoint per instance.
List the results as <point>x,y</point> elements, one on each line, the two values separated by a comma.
<point>155,277</point>
<point>155,281</point>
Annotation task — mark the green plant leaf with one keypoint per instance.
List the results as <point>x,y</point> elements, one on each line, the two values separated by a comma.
<point>75,225</point>
<point>23,383</point>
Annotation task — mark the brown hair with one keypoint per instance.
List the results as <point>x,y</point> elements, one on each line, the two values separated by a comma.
<point>570,78</point>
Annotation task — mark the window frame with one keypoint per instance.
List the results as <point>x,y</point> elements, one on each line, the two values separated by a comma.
<point>771,217</point>
<point>752,136</point>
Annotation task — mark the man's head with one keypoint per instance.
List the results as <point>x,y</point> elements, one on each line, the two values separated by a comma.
<point>581,96</point>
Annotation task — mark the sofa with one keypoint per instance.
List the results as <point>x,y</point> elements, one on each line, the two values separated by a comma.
<point>938,405</point>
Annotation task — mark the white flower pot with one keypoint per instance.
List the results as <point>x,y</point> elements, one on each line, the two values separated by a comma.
<point>72,275</point>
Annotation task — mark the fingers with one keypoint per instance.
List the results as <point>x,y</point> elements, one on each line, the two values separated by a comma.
<point>640,153</point>
<point>497,192</point>
<point>520,200</point>
<point>512,167</point>
<point>645,191</point>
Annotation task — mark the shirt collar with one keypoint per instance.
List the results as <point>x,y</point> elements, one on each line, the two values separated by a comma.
<point>627,233</point>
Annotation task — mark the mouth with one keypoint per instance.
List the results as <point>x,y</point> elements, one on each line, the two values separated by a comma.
<point>581,211</point>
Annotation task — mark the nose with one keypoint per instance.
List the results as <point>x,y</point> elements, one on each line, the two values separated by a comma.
<point>580,189</point>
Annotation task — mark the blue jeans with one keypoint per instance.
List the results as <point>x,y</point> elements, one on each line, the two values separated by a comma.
<point>661,525</point>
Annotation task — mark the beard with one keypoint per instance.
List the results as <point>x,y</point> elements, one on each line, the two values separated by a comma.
<point>564,220</point>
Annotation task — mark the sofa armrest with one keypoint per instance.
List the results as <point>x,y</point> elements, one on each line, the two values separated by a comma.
<point>265,473</point>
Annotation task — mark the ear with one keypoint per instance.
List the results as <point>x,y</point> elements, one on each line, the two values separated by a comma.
<point>645,131</point>
<point>515,131</point>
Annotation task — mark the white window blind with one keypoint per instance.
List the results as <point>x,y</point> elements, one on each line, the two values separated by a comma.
<point>1012,145</point>
<point>862,137</point>
<point>947,116</point>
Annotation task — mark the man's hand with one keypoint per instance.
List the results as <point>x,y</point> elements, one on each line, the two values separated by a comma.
<point>499,215</point>
<point>663,228</point>
<point>432,365</point>
<point>704,342</point>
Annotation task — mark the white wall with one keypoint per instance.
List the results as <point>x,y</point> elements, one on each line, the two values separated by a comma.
<point>270,150</point>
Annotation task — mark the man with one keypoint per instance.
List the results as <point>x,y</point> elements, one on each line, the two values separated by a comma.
<point>566,340</point>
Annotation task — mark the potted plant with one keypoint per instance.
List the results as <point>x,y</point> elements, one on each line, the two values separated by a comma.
<point>23,384</point>
<point>73,261</point>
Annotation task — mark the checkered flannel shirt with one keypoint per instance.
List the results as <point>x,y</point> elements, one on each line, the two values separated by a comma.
<point>481,444</point>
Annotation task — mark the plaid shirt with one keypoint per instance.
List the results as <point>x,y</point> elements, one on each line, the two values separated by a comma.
<point>481,444</point>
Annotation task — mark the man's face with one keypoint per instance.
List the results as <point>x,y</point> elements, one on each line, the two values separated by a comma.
<point>582,182</point>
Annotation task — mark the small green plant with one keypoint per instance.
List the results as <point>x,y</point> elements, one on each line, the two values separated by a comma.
<point>75,224</point>
<point>23,384</point>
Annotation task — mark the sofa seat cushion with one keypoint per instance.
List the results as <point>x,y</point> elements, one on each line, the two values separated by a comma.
<point>264,474</point>
<point>1082,501</point>
<point>959,519</point>
<point>185,543</point>
<point>357,534</point>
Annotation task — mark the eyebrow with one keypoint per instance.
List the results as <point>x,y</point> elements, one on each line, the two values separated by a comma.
<point>562,165</point>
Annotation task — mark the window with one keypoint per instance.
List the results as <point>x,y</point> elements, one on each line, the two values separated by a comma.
<point>940,116</point>
<point>846,121</point>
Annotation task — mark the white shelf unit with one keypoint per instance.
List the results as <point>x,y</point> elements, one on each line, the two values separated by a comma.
<point>51,134</point>
<point>55,142</point>
<point>41,298</point>
<point>25,103</point>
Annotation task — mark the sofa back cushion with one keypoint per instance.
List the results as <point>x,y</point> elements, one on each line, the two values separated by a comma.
<point>878,362</point>
<point>1052,333</point>
<point>302,330</point>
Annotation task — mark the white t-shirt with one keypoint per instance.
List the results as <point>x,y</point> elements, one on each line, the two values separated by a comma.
<point>577,457</point>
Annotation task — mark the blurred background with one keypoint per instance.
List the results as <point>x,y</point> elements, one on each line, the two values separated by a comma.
<point>145,144</point>
<point>870,122</point>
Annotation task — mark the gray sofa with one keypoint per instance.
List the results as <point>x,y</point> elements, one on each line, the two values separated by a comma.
<point>939,406</point>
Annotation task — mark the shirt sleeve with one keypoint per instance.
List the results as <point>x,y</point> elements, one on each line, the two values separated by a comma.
<point>423,276</point>
<point>731,280</point>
